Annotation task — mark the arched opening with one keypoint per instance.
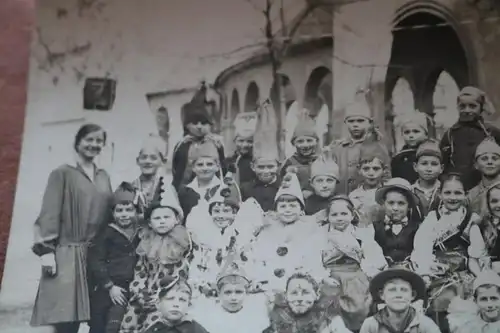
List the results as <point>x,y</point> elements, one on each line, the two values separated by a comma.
<point>292,109</point>
<point>444,101</point>
<point>425,43</point>
<point>252,97</point>
<point>318,101</point>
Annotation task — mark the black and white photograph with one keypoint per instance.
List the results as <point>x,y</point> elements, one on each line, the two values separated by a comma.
<point>258,166</point>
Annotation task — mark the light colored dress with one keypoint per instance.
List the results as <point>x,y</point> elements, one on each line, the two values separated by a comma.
<point>464,317</point>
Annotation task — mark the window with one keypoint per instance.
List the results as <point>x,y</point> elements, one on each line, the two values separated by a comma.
<point>99,94</point>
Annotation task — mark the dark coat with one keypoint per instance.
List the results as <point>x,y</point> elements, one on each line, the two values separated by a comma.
<point>458,146</point>
<point>303,165</point>
<point>315,203</point>
<point>243,168</point>
<point>263,193</point>
<point>402,164</point>
<point>396,247</point>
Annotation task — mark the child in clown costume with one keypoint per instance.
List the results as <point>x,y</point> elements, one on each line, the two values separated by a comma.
<point>219,227</point>
<point>480,314</point>
<point>287,241</point>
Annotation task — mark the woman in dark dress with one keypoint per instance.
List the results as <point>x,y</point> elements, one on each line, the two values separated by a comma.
<point>76,203</point>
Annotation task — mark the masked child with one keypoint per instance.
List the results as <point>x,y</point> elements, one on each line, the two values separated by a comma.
<point>414,131</point>
<point>305,140</point>
<point>396,231</point>
<point>372,168</point>
<point>287,240</point>
<point>111,260</point>
<point>302,308</point>
<point>164,251</point>
<point>487,161</point>
<point>234,309</point>
<point>197,125</point>
<point>397,289</point>
<point>324,180</point>
<point>447,248</point>
<point>482,314</point>
<point>265,163</point>
<point>351,259</point>
<point>173,307</point>
<point>428,165</point>
<point>205,165</point>
<point>490,226</point>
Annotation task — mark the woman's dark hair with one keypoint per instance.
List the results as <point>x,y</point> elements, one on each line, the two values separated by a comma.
<point>350,206</point>
<point>86,130</point>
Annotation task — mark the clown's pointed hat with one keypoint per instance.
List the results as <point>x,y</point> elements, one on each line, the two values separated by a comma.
<point>488,145</point>
<point>290,186</point>
<point>169,198</point>
<point>306,126</point>
<point>232,272</point>
<point>265,145</point>
<point>228,194</point>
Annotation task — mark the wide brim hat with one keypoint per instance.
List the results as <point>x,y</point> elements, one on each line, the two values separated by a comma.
<point>378,282</point>
<point>396,183</point>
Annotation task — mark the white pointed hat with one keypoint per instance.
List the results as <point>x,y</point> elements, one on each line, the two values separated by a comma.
<point>488,145</point>
<point>245,124</point>
<point>265,145</point>
<point>169,198</point>
<point>290,186</point>
<point>232,272</point>
<point>358,108</point>
<point>486,277</point>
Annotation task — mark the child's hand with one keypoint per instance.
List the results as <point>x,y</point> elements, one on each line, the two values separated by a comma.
<point>117,295</point>
<point>427,280</point>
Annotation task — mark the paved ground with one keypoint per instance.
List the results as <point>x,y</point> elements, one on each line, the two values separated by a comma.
<point>17,321</point>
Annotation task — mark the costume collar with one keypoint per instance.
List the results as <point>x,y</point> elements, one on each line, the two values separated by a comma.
<point>122,232</point>
<point>201,191</point>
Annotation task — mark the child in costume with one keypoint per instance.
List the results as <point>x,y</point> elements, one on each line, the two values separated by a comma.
<point>302,308</point>
<point>447,248</point>
<point>487,162</point>
<point>428,165</point>
<point>164,251</point>
<point>173,305</point>
<point>396,231</point>
<point>305,140</point>
<point>490,226</point>
<point>371,171</point>
<point>111,260</point>
<point>197,126</point>
<point>287,240</point>
<point>265,162</point>
<point>482,314</point>
<point>414,131</point>
<point>220,228</point>
<point>351,260</point>
<point>397,289</point>
<point>234,309</point>
<point>324,180</point>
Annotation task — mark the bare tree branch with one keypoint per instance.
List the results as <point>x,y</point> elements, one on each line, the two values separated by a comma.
<point>257,8</point>
<point>302,16</point>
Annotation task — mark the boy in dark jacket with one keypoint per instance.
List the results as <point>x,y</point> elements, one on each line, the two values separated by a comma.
<point>174,301</point>
<point>414,130</point>
<point>111,261</point>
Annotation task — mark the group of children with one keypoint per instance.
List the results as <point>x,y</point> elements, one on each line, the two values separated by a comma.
<point>251,244</point>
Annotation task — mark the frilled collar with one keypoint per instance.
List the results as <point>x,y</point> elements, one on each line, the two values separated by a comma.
<point>202,191</point>
<point>395,226</point>
<point>411,320</point>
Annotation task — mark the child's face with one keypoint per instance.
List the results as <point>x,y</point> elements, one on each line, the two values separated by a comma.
<point>468,107</point>
<point>428,168</point>
<point>232,296</point>
<point>413,134</point>
<point>163,219</point>
<point>397,294</point>
<point>244,145</point>
<point>357,126</point>
<point>288,210</point>
<point>488,302</point>
<point>223,215</point>
<point>453,195</point>
<point>340,216</point>
<point>300,296</point>
<point>494,201</point>
<point>488,164</point>
<point>324,186</point>
<point>149,160</point>
<point>198,129</point>
<point>372,172</point>
<point>265,169</point>
<point>124,214</point>
<point>205,168</point>
<point>175,304</point>
<point>305,145</point>
<point>396,206</point>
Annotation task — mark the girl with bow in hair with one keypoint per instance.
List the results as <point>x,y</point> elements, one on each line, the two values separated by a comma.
<point>448,248</point>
